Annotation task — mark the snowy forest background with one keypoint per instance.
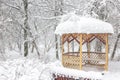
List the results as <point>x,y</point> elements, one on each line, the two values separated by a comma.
<point>27,39</point>
<point>27,26</point>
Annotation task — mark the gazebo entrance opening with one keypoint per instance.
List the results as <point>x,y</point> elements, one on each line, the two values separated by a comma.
<point>78,50</point>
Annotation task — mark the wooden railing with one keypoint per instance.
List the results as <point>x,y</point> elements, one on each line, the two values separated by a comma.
<point>61,73</point>
<point>64,77</point>
<point>72,59</point>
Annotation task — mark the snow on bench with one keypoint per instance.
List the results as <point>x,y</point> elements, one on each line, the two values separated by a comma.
<point>76,74</point>
<point>101,62</point>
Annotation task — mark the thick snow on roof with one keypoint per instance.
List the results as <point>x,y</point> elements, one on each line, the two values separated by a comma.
<point>73,23</point>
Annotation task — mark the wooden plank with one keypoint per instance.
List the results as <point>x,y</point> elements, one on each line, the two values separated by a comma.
<point>86,40</point>
<point>66,37</point>
<point>75,38</point>
<point>80,51</point>
<point>91,39</point>
<point>99,38</point>
<point>62,49</point>
<point>106,65</point>
<point>88,50</point>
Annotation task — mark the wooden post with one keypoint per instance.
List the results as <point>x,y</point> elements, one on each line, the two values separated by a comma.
<point>88,50</point>
<point>62,50</point>
<point>106,65</point>
<point>80,51</point>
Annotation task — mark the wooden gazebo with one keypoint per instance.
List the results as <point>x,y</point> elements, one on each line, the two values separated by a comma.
<point>77,32</point>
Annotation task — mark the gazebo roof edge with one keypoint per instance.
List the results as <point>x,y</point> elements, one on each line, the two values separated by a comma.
<point>84,25</point>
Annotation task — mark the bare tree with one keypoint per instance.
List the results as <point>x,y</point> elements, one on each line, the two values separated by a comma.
<point>115,46</point>
<point>58,12</point>
<point>25,2</point>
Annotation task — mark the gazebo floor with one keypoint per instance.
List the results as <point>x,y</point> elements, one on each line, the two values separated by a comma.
<point>92,68</point>
<point>88,67</point>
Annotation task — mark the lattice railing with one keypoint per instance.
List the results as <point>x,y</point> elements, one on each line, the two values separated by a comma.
<point>95,58</point>
<point>72,60</point>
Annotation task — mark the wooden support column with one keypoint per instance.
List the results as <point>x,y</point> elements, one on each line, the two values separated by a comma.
<point>62,49</point>
<point>68,43</point>
<point>106,50</point>
<point>80,51</point>
<point>88,50</point>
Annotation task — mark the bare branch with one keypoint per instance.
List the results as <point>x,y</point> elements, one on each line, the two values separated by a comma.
<point>15,7</point>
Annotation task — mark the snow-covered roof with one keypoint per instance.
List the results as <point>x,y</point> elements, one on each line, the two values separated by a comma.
<point>73,23</point>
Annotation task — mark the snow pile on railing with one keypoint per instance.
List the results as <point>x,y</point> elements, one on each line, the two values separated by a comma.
<point>76,74</point>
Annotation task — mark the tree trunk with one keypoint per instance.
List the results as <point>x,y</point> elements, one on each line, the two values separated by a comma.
<point>25,2</point>
<point>72,46</point>
<point>58,11</point>
<point>115,46</point>
<point>2,46</point>
<point>36,47</point>
<point>56,47</point>
<point>98,47</point>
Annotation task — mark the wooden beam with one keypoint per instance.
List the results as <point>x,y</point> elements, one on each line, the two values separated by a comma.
<point>99,38</point>
<point>88,38</point>
<point>106,65</point>
<point>80,51</point>
<point>66,37</point>
<point>91,39</point>
<point>62,49</point>
<point>75,38</point>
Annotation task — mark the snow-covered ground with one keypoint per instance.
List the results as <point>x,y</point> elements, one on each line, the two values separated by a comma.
<point>24,69</point>
<point>35,69</point>
<point>113,72</point>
